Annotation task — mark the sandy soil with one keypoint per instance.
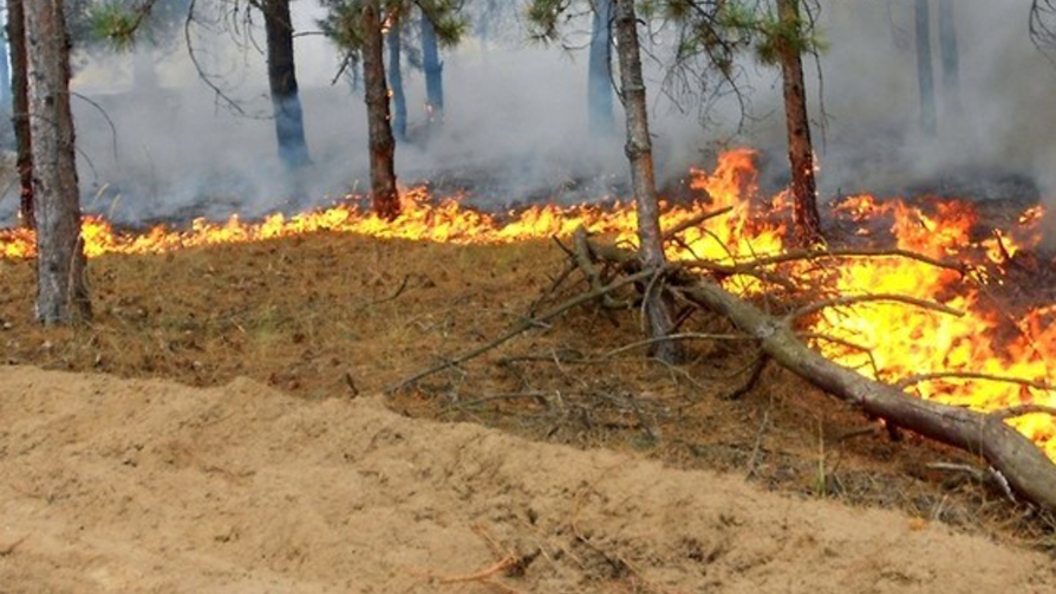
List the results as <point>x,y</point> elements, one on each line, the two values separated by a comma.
<point>147,486</point>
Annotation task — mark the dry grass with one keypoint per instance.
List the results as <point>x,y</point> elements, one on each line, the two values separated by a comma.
<point>315,317</point>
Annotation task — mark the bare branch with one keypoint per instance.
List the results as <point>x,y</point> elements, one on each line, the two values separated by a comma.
<point>856,299</point>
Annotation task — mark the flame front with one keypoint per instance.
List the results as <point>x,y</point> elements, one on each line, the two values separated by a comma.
<point>900,340</point>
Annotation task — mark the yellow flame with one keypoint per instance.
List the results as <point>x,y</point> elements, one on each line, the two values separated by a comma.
<point>903,340</point>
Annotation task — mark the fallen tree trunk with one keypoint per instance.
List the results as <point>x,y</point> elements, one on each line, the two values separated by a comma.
<point>1028,471</point>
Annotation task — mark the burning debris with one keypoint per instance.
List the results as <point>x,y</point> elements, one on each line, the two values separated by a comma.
<point>960,326</point>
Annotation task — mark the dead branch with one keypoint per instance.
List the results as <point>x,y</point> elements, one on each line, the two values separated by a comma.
<point>797,255</point>
<point>1017,459</point>
<point>756,372</point>
<point>1024,409</point>
<point>927,377</point>
<point>488,572</point>
<point>524,325</point>
<point>554,286</point>
<point>629,261</point>
<point>395,294</point>
<point>679,336</point>
<point>856,299</point>
<point>851,345</point>
<point>585,261</point>
<point>673,232</point>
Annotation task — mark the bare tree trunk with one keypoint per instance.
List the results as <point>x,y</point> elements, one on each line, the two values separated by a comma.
<point>434,72</point>
<point>925,77</point>
<point>1025,466</point>
<point>282,79</point>
<point>399,99</point>
<point>800,148</point>
<point>382,145</point>
<point>16,34</point>
<point>948,51</point>
<point>599,80</point>
<point>640,154</point>
<point>62,296</point>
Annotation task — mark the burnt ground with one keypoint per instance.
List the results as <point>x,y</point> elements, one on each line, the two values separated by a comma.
<point>330,316</point>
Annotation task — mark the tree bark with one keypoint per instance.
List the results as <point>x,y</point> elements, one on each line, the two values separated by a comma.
<point>16,34</point>
<point>1026,468</point>
<point>282,80</point>
<point>434,72</point>
<point>948,52</point>
<point>399,99</point>
<point>62,296</point>
<point>599,81</point>
<point>925,77</point>
<point>800,148</point>
<point>382,145</point>
<point>640,155</point>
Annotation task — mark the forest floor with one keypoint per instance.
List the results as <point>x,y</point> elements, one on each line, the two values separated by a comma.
<point>254,451</point>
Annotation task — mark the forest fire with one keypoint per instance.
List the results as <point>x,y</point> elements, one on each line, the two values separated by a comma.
<point>945,357</point>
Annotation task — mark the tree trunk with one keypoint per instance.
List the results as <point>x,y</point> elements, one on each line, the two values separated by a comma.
<point>399,100</point>
<point>382,145</point>
<point>599,81</point>
<point>948,51</point>
<point>16,34</point>
<point>1026,468</point>
<point>434,72</point>
<point>282,79</point>
<point>640,154</point>
<point>62,296</point>
<point>800,148</point>
<point>925,78</point>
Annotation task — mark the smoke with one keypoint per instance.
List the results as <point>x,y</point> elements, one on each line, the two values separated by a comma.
<point>156,143</point>
<point>992,138</point>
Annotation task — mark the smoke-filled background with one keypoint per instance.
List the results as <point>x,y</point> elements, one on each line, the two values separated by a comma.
<point>155,142</point>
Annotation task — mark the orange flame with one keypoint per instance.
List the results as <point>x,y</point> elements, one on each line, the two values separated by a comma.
<point>902,340</point>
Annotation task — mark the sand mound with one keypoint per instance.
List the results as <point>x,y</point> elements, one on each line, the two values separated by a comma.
<point>112,485</point>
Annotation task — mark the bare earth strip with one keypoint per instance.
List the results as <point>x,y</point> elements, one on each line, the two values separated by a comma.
<point>146,486</point>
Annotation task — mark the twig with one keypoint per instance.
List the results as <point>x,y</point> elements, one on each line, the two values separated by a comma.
<point>1024,409</point>
<point>852,253</point>
<point>856,299</point>
<point>734,270</point>
<point>671,337</point>
<point>584,260</point>
<point>844,342</point>
<point>693,222</point>
<point>972,471</point>
<point>758,441</point>
<point>872,429</point>
<point>926,377</point>
<point>524,326</point>
<point>757,368</point>
<point>399,291</point>
<point>554,286</point>
<point>512,396</point>
<point>490,571</point>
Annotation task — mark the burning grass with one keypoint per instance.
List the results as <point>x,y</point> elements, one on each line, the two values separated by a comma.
<point>1002,331</point>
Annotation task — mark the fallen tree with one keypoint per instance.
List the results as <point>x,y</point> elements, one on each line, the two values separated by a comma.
<point>1016,463</point>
